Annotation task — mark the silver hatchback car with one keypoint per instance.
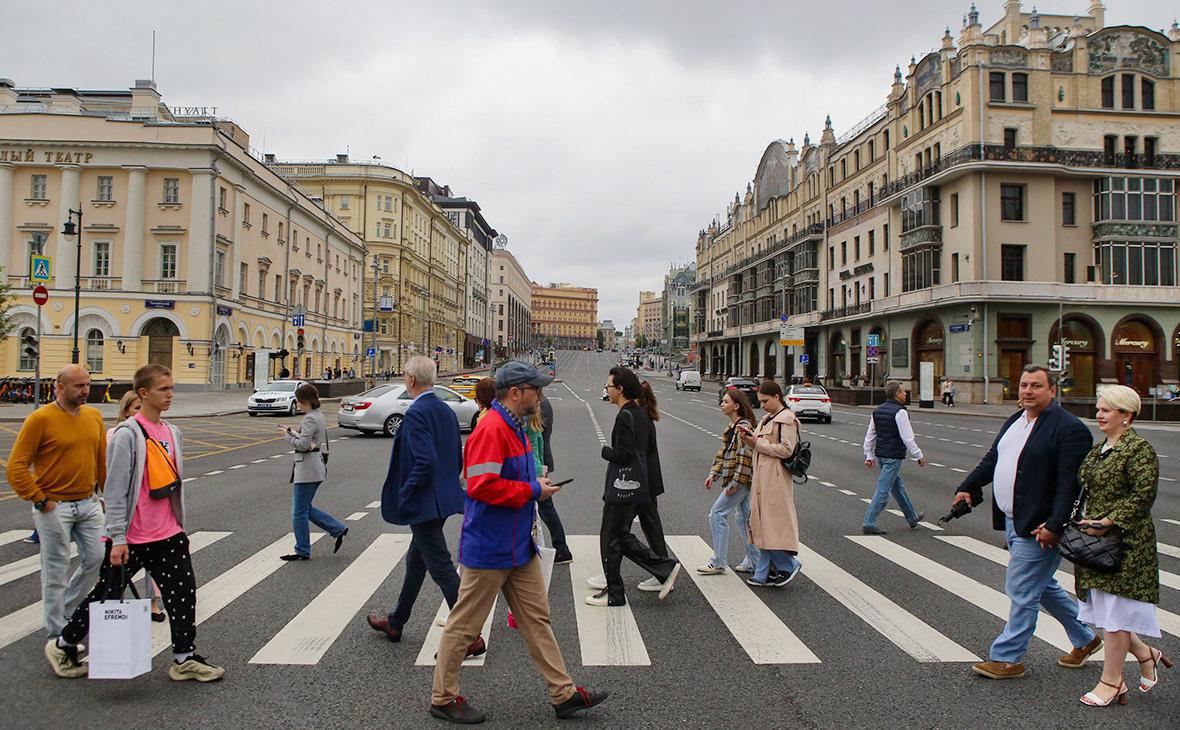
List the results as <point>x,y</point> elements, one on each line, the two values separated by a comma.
<point>381,409</point>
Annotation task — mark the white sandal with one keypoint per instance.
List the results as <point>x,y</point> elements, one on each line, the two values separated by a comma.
<point>1094,700</point>
<point>1157,658</point>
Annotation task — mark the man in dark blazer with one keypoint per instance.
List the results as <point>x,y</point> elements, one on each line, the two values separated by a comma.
<point>1033,468</point>
<point>422,489</point>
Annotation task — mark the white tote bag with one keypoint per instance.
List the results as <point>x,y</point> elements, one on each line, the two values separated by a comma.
<point>548,554</point>
<point>120,636</point>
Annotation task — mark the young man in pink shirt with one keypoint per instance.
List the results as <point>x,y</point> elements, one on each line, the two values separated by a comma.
<point>144,530</point>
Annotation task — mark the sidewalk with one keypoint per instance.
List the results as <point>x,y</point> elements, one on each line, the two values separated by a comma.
<point>186,405</point>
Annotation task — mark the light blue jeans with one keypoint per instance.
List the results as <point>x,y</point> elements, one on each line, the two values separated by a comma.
<point>726,505</point>
<point>889,482</point>
<point>1029,582</point>
<point>302,510</point>
<point>81,522</point>
<point>783,561</point>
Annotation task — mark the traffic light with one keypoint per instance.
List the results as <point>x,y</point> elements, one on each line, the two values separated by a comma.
<point>29,347</point>
<point>299,341</point>
<point>1057,359</point>
<point>1064,358</point>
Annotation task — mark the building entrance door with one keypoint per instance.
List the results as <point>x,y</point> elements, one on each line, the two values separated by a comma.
<point>160,333</point>
<point>1011,363</point>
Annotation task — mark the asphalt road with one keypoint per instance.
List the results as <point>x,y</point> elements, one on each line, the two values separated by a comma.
<point>874,633</point>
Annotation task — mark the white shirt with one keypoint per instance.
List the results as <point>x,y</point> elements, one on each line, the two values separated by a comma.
<point>904,429</point>
<point>1007,456</point>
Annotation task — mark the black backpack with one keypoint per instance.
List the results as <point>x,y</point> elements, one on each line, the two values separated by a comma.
<point>800,459</point>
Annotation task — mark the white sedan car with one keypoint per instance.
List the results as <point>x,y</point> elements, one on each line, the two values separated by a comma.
<point>275,397</point>
<point>381,409</point>
<point>809,401</point>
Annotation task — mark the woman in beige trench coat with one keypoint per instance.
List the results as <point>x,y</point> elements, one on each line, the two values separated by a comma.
<point>774,527</point>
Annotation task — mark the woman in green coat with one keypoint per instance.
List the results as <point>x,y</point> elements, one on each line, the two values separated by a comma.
<point>1120,476</point>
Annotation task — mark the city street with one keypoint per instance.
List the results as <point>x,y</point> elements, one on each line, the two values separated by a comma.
<point>877,631</point>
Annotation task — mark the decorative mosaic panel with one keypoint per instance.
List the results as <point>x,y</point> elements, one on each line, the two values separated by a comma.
<point>1009,58</point>
<point>956,67</point>
<point>1137,230</point>
<point>1127,49</point>
<point>928,75</point>
<point>926,235</point>
<point>1062,62</point>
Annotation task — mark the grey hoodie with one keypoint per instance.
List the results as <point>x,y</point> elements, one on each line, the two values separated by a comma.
<point>126,451</point>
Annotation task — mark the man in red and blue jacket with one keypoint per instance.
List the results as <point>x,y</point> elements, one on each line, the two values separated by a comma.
<point>497,552</point>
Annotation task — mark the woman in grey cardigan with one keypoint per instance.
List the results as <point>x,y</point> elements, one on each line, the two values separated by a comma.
<point>308,472</point>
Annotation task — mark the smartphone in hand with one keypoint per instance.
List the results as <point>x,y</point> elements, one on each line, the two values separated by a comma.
<point>563,482</point>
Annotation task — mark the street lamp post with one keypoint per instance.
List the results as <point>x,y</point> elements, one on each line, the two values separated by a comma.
<point>69,231</point>
<point>373,361</point>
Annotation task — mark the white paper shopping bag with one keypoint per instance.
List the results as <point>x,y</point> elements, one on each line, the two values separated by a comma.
<point>548,555</point>
<point>120,639</point>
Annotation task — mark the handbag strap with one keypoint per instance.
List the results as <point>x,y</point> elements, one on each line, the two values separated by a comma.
<point>116,587</point>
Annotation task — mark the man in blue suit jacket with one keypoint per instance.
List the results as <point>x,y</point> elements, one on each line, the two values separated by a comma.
<point>422,490</point>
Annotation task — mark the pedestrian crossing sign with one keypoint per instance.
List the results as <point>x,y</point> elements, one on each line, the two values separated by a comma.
<point>41,269</point>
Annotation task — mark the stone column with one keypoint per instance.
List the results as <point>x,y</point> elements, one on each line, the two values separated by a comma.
<point>198,262</point>
<point>63,261</point>
<point>7,224</point>
<point>134,223</point>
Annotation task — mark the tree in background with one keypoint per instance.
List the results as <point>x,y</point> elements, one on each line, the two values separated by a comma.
<point>641,341</point>
<point>6,300</point>
<point>598,339</point>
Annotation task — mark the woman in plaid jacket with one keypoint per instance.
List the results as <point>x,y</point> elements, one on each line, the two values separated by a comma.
<point>732,469</point>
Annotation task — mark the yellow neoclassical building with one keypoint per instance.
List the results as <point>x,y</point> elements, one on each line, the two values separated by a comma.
<point>194,253</point>
<point>417,273</point>
<point>564,315</point>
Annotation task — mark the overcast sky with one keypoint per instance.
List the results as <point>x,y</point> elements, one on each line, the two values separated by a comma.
<point>599,136</point>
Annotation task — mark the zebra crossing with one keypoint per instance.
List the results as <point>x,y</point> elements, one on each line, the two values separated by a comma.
<point>615,636</point>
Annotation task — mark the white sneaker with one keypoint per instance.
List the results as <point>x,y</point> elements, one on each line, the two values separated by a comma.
<point>709,570</point>
<point>651,585</point>
<point>669,584</point>
<point>596,581</point>
<point>743,568</point>
<point>598,599</point>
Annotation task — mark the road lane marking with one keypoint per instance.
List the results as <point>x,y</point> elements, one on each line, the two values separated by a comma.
<point>927,525</point>
<point>238,466</point>
<point>26,566</point>
<point>355,516</point>
<point>373,505</point>
<point>1168,621</point>
<point>276,456</point>
<point>968,589</point>
<point>909,633</point>
<point>827,484</point>
<point>1169,550</point>
<point>763,636</point>
<point>608,635</point>
<point>186,480</point>
<point>213,473</point>
<point>849,492</point>
<point>257,461</point>
<point>310,634</point>
<point>434,638</point>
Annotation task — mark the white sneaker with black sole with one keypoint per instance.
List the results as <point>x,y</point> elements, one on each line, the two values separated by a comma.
<point>596,581</point>
<point>195,667</point>
<point>64,661</point>
<point>669,584</point>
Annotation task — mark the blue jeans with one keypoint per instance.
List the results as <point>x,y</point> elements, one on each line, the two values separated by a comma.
<point>783,561</point>
<point>302,511</point>
<point>81,522</point>
<point>726,505</point>
<point>889,482</point>
<point>428,552</point>
<point>1028,582</point>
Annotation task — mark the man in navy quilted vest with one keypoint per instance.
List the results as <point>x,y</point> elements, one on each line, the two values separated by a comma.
<point>889,436</point>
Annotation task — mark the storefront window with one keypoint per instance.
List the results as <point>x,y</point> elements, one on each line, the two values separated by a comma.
<point>1082,344</point>
<point>1136,355</point>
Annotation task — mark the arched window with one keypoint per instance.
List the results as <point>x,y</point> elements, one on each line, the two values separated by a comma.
<point>26,362</point>
<point>94,351</point>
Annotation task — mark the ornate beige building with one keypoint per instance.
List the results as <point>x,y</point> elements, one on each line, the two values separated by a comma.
<point>511,294</point>
<point>193,251</point>
<point>1020,176</point>
<point>565,315</point>
<point>649,318</point>
<point>418,285</point>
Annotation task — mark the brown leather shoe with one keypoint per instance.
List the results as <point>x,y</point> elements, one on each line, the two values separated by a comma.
<point>1076,659</point>
<point>998,670</point>
<point>475,648</point>
<point>381,623</point>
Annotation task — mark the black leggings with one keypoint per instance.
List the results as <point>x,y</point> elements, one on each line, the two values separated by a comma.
<point>169,564</point>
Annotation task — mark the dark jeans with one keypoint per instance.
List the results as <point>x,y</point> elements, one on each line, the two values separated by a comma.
<point>551,519</point>
<point>653,529</point>
<point>169,564</point>
<point>428,551</point>
<point>616,542</point>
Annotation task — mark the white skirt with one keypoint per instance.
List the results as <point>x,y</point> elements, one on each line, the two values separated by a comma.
<point>1116,613</point>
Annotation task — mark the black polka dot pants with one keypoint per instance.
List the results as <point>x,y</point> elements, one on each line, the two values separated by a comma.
<point>169,564</point>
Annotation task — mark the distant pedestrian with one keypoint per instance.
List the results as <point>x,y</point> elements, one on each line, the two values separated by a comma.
<point>547,507</point>
<point>774,523</point>
<point>145,530</point>
<point>284,373</point>
<point>1121,479</point>
<point>57,464</point>
<point>307,474</point>
<point>485,393</point>
<point>887,439</point>
<point>422,489</point>
<point>1033,467</point>
<point>630,447</point>
<point>949,391</point>
<point>497,551</point>
<point>731,472</point>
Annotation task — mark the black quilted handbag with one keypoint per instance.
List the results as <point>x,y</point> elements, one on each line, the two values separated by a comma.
<point>1103,553</point>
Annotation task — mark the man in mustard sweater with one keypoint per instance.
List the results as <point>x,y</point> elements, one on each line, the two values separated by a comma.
<point>57,464</point>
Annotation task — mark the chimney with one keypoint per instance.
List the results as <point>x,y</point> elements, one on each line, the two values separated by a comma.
<point>269,158</point>
<point>1098,12</point>
<point>145,100</point>
<point>342,159</point>
<point>8,93</point>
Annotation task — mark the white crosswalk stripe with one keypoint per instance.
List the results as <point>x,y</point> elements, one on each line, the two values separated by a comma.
<point>608,635</point>
<point>309,635</point>
<point>26,566</point>
<point>434,638</point>
<point>10,536</point>
<point>764,637</point>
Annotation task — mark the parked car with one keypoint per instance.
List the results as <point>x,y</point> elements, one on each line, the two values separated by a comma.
<point>689,380</point>
<point>464,385</point>
<point>809,401</point>
<point>381,409</point>
<point>746,385</point>
<point>277,396</point>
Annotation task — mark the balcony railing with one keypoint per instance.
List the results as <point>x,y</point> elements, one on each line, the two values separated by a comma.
<point>848,311</point>
<point>101,283</point>
<point>165,286</point>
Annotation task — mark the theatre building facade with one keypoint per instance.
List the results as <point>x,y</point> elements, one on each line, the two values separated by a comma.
<point>194,253</point>
<point>1017,190</point>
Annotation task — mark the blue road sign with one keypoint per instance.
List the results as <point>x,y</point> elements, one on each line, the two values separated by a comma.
<point>782,317</point>
<point>960,327</point>
<point>297,320</point>
<point>41,269</point>
<point>874,340</point>
<point>371,352</point>
<point>804,359</point>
